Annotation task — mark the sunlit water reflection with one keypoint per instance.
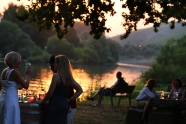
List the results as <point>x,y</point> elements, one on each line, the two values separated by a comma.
<point>90,77</point>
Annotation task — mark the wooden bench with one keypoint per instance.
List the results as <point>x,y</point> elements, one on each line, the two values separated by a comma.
<point>125,91</point>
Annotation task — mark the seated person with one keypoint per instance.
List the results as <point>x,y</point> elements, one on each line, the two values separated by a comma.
<point>177,89</point>
<point>119,82</point>
<point>147,93</point>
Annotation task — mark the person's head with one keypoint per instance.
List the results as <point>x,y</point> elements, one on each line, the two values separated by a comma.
<point>51,63</point>
<point>118,74</point>
<point>63,66</point>
<point>151,83</point>
<point>177,83</point>
<point>13,59</point>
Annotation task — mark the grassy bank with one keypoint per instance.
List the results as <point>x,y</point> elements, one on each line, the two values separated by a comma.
<point>105,114</point>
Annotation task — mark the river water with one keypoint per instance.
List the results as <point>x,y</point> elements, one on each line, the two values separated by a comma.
<point>90,77</point>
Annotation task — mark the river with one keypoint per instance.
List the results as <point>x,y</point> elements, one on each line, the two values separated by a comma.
<point>90,77</point>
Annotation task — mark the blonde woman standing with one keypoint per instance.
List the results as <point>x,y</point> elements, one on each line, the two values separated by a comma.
<point>11,80</point>
<point>58,91</point>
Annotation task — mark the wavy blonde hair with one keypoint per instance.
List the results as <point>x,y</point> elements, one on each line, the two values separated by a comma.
<point>64,69</point>
<point>12,58</point>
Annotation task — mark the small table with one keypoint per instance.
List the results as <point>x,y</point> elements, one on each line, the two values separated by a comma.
<point>168,104</point>
<point>166,111</point>
<point>32,113</point>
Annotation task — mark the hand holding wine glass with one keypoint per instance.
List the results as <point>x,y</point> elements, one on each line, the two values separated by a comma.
<point>29,70</point>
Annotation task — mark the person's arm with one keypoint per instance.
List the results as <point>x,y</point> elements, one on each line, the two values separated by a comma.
<point>1,78</point>
<point>117,82</point>
<point>78,92</point>
<point>181,93</point>
<point>19,79</point>
<point>155,93</point>
<point>0,85</point>
<point>19,86</point>
<point>142,95</point>
<point>54,82</point>
<point>170,93</point>
<point>150,94</point>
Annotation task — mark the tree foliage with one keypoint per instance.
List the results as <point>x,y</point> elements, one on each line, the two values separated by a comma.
<point>102,50</point>
<point>169,63</point>
<point>92,12</point>
<point>12,38</point>
<point>62,14</point>
<point>72,37</point>
<point>57,46</point>
<point>39,37</point>
<point>93,51</point>
<point>139,51</point>
<point>90,56</point>
<point>18,36</point>
<point>154,12</point>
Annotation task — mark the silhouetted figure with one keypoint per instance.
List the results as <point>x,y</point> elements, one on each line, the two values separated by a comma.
<point>58,91</point>
<point>120,82</point>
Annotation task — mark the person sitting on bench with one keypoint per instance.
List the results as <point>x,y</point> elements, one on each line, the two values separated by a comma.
<point>120,82</point>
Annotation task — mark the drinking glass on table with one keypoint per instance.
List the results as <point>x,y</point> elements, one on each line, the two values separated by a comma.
<point>162,95</point>
<point>176,95</point>
<point>42,94</point>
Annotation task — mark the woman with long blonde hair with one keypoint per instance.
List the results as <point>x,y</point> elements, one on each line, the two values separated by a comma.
<point>58,91</point>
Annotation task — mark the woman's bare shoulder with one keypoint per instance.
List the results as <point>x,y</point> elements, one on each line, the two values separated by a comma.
<point>55,76</point>
<point>15,72</point>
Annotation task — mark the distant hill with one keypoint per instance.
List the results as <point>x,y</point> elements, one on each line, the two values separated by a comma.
<point>148,36</point>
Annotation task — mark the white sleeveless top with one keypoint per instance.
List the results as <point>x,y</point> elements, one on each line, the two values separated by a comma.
<point>9,105</point>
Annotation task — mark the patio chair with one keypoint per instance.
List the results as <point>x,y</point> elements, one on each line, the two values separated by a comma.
<point>122,91</point>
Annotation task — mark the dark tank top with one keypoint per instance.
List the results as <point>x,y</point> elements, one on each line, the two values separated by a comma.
<point>60,92</point>
<point>58,105</point>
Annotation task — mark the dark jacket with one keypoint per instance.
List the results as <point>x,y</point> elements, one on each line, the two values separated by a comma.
<point>119,83</point>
